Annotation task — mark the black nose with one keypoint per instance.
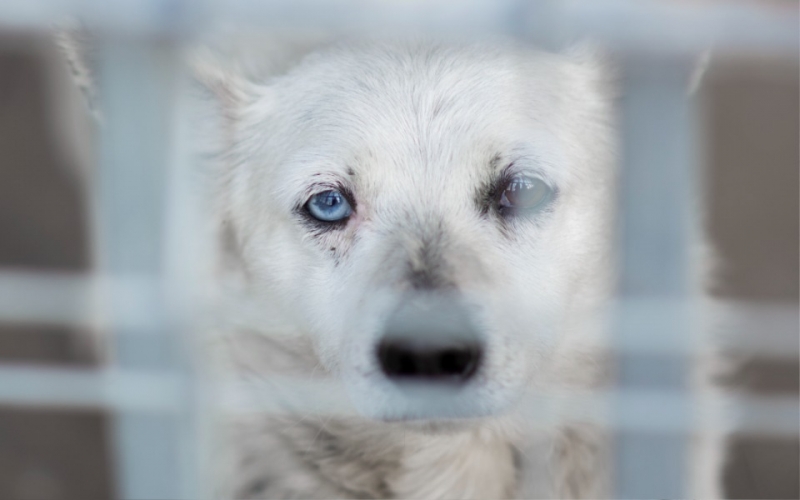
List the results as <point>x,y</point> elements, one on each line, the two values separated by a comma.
<point>417,360</point>
<point>430,337</point>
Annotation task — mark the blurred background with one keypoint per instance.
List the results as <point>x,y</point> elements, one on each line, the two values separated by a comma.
<point>751,201</point>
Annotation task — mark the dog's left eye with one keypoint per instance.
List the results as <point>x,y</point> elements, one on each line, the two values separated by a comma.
<point>523,193</point>
<point>329,206</point>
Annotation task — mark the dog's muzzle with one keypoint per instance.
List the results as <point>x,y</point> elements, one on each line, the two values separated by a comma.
<point>430,338</point>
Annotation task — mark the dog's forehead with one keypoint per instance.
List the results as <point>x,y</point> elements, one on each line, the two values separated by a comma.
<point>429,108</point>
<point>413,124</point>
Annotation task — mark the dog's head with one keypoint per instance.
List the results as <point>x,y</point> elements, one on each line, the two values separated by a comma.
<point>434,217</point>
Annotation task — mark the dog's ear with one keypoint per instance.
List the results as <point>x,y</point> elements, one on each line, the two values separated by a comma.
<point>78,49</point>
<point>226,69</point>
<point>235,66</point>
<point>597,66</point>
<point>701,65</point>
<point>221,78</point>
<point>607,69</point>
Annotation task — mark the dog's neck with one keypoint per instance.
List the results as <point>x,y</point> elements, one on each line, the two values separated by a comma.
<point>470,464</point>
<point>383,461</point>
<point>374,460</point>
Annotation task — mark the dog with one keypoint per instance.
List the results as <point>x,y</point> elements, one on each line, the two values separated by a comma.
<point>429,226</point>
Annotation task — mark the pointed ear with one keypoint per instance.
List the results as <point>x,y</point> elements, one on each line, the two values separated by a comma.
<point>234,66</point>
<point>601,62</point>
<point>79,52</point>
<point>222,81</point>
<point>700,69</point>
<point>597,66</point>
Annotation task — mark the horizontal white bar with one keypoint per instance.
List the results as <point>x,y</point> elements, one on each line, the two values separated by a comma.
<point>764,329</point>
<point>640,410</point>
<point>651,411</point>
<point>79,300</point>
<point>632,24</point>
<point>162,393</point>
<point>107,389</point>
<point>670,26</point>
<point>719,326</point>
<point>47,298</point>
<point>769,330</point>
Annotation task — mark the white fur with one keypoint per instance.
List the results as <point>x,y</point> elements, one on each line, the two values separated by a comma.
<point>415,130</point>
<point>423,127</point>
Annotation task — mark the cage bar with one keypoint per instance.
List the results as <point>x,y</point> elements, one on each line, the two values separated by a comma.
<point>160,393</point>
<point>138,83</point>
<point>74,299</point>
<point>624,24</point>
<point>658,169</point>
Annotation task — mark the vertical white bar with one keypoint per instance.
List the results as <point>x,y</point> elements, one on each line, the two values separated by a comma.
<point>138,84</point>
<point>189,262</point>
<point>656,185</point>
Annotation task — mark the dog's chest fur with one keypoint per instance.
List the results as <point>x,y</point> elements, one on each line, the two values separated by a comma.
<point>474,465</point>
<point>323,463</point>
<point>331,458</point>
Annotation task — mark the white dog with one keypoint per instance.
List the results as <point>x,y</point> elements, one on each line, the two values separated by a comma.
<point>432,224</point>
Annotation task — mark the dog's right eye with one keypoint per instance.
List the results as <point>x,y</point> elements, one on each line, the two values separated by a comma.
<point>329,206</point>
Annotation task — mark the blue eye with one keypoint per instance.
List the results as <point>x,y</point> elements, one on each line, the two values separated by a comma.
<point>329,206</point>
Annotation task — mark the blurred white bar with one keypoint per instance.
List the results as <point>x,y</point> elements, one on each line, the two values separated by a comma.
<point>639,25</point>
<point>138,91</point>
<point>77,300</point>
<point>652,411</point>
<point>46,298</point>
<point>659,167</point>
<point>668,26</point>
<point>188,267</point>
<point>147,392</point>
<point>648,410</point>
<point>156,392</point>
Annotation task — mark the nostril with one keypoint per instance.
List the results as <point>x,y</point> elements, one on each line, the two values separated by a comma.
<point>403,359</point>
<point>399,361</point>
<point>458,361</point>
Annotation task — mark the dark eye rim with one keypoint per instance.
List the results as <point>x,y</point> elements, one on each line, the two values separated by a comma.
<point>320,225</point>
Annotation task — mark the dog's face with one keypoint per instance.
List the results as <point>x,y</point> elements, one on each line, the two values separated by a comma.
<point>433,217</point>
